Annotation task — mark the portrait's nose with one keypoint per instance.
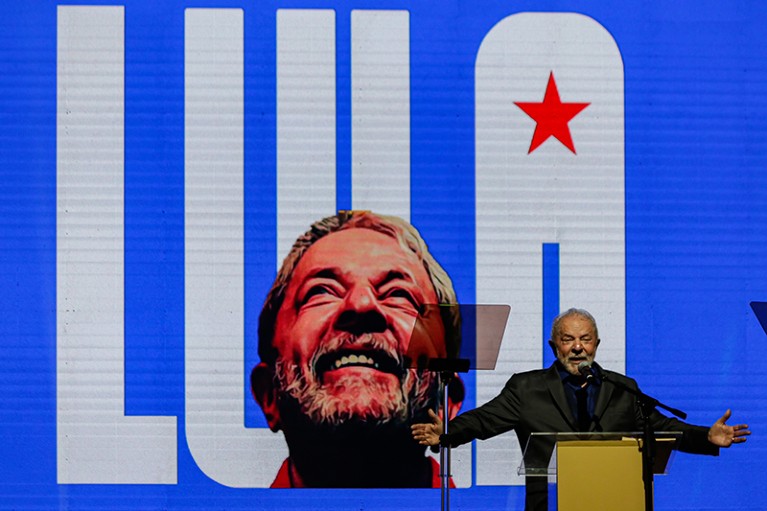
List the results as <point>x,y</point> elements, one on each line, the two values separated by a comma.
<point>577,346</point>
<point>362,312</point>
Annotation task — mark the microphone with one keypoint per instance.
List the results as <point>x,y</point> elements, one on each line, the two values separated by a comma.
<point>588,372</point>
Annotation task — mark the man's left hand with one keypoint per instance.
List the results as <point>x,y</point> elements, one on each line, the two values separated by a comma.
<point>722,435</point>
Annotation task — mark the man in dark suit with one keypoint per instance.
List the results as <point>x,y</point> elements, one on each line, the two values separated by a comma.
<point>559,399</point>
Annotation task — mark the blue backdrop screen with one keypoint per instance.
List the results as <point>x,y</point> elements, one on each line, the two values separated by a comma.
<point>158,159</point>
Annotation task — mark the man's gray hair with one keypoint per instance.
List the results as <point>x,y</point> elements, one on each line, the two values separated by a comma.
<point>583,313</point>
<point>394,227</point>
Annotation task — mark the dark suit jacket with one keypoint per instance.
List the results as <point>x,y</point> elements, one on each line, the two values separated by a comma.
<point>535,401</point>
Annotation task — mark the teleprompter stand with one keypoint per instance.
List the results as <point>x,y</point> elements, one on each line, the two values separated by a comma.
<point>452,339</point>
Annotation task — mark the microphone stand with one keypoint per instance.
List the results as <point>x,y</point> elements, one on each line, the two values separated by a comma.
<point>646,405</point>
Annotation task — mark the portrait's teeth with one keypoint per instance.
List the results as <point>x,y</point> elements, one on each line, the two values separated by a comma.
<point>354,359</point>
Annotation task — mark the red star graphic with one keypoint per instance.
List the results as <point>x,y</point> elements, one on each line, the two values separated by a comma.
<point>551,117</point>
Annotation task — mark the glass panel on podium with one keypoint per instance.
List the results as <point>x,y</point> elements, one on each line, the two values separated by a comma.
<point>555,463</point>
<point>539,458</point>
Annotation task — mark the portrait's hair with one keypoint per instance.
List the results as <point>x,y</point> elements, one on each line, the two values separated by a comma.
<point>583,313</point>
<point>404,233</point>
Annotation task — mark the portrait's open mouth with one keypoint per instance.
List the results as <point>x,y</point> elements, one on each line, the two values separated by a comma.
<point>378,360</point>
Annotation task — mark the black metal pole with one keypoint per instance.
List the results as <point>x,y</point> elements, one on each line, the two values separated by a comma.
<point>646,405</point>
<point>648,456</point>
<point>444,450</point>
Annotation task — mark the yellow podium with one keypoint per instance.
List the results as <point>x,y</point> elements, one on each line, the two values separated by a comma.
<point>588,471</point>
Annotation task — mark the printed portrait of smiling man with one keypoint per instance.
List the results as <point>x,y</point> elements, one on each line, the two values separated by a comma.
<point>333,334</point>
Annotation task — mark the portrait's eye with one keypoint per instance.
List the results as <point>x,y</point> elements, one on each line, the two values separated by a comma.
<point>401,298</point>
<point>317,294</point>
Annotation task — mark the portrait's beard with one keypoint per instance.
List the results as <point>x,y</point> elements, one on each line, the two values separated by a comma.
<point>364,396</point>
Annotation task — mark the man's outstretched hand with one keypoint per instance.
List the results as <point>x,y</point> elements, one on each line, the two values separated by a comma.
<point>722,435</point>
<point>428,433</point>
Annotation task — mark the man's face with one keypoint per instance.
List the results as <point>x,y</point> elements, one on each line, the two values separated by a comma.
<point>577,342</point>
<point>345,323</point>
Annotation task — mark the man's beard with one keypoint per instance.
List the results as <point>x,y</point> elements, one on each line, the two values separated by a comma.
<point>565,361</point>
<point>382,399</point>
